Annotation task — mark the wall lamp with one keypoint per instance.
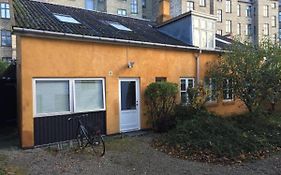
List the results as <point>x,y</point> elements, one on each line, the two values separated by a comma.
<point>131,64</point>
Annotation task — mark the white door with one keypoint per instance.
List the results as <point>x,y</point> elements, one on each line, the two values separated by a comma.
<point>129,104</point>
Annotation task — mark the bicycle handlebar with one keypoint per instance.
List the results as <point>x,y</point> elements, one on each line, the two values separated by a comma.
<point>78,116</point>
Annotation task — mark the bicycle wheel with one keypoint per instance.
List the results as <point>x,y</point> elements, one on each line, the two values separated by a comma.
<point>98,145</point>
<point>82,138</point>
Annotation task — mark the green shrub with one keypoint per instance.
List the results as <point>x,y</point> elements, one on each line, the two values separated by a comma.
<point>3,66</point>
<point>226,137</point>
<point>160,98</point>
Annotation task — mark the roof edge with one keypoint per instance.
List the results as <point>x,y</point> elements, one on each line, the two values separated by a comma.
<point>106,39</point>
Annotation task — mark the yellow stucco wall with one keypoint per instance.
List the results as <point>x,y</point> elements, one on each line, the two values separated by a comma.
<point>50,58</point>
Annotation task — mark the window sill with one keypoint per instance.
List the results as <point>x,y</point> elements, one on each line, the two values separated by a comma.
<point>211,104</point>
<point>228,102</point>
<point>66,113</point>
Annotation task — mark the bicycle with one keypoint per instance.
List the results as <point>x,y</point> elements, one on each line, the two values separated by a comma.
<point>86,137</point>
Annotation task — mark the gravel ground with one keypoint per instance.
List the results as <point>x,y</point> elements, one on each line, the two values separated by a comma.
<point>127,155</point>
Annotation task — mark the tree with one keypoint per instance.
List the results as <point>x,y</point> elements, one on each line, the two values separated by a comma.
<point>255,72</point>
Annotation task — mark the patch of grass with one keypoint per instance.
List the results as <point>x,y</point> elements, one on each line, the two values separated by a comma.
<point>207,137</point>
<point>121,144</point>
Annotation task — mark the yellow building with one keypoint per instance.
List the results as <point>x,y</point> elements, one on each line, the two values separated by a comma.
<point>75,61</point>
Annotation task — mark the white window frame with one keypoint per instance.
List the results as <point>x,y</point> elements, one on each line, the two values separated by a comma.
<point>189,6</point>
<point>266,11</point>
<point>266,29</point>
<point>228,6</point>
<point>228,89</point>
<point>238,10</point>
<point>273,21</point>
<point>211,88</point>
<point>238,28</point>
<point>72,102</point>
<point>186,87</point>
<point>202,3</point>
<point>6,10</point>
<point>228,26</point>
<point>219,15</point>
<point>249,11</point>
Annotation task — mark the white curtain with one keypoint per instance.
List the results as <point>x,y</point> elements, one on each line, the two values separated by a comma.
<point>88,95</point>
<point>52,96</point>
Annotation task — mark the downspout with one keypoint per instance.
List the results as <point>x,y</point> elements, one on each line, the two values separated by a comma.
<point>197,57</point>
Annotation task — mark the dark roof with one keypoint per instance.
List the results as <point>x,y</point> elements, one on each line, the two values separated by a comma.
<point>223,42</point>
<point>39,16</point>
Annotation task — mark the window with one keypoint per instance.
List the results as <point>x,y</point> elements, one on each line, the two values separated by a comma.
<point>66,18</point>
<point>266,29</point>
<point>143,3</point>
<point>122,12</point>
<point>228,90</point>
<point>211,88</point>
<point>202,3</point>
<point>204,33</point>
<point>279,16</point>
<point>274,38</point>
<point>273,21</point>
<point>248,29</point>
<point>239,29</point>
<point>273,5</point>
<point>7,59</point>
<point>228,6</point>
<point>248,11</point>
<point>238,10</point>
<point>89,4</point>
<point>118,26</point>
<point>219,13</point>
<point>6,39</point>
<point>219,32</point>
<point>62,96</point>
<point>88,95</point>
<point>265,11</point>
<point>5,10</point>
<point>228,26</point>
<point>190,6</point>
<point>160,79</point>
<point>185,84</point>
<point>279,34</point>
<point>134,6</point>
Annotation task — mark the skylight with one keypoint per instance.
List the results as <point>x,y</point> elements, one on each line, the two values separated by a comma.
<point>118,26</point>
<point>66,18</point>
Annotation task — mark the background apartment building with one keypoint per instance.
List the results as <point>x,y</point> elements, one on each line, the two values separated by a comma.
<point>250,20</point>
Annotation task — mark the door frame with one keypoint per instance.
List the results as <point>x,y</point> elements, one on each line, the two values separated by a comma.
<point>137,80</point>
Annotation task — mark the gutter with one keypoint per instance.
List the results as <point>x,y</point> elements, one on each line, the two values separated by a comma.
<point>106,39</point>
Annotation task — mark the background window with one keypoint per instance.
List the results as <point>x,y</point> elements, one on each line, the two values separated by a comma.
<point>248,29</point>
<point>266,29</point>
<point>273,21</point>
<point>88,95</point>
<point>249,11</point>
<point>202,3</point>
<point>160,79</point>
<point>190,6</point>
<point>228,27</point>
<point>228,6</point>
<point>238,29</point>
<point>5,10</point>
<point>227,89</point>
<point>211,88</point>
<point>219,13</point>
<point>122,12</point>
<point>6,39</point>
<point>265,10</point>
<point>52,96</point>
<point>185,84</point>
<point>238,10</point>
<point>134,6</point>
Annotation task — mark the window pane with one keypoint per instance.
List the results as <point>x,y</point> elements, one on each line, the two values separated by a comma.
<point>52,96</point>
<point>183,85</point>
<point>184,97</point>
<point>128,95</point>
<point>88,95</point>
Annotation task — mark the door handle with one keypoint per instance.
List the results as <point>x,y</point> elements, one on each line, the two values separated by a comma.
<point>137,103</point>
